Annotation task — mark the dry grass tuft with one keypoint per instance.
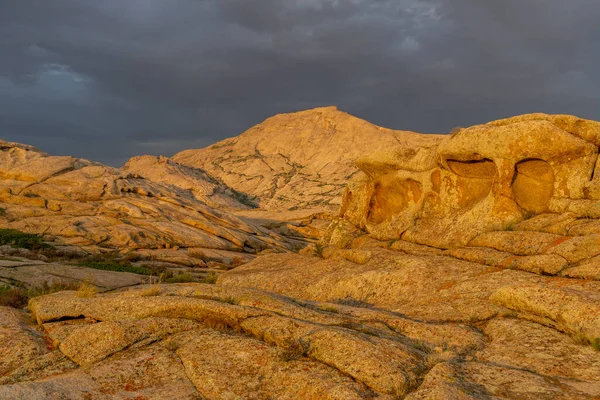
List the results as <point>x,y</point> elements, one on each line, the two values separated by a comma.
<point>87,290</point>
<point>210,278</point>
<point>295,351</point>
<point>180,278</point>
<point>153,290</point>
<point>19,296</point>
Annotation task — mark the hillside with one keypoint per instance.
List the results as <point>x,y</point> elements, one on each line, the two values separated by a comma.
<point>464,266</point>
<point>297,160</point>
<point>75,202</point>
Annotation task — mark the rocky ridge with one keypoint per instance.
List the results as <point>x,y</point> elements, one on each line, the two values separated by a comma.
<point>459,267</point>
<point>299,160</point>
<point>75,202</point>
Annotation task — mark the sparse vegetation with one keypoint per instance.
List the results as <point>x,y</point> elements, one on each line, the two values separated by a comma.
<point>153,290</point>
<point>180,278</point>
<point>111,262</point>
<point>18,239</point>
<point>319,249</point>
<point>244,199</point>
<point>329,309</point>
<point>422,346</point>
<point>171,345</point>
<point>293,352</point>
<point>352,302</point>
<point>19,296</point>
<point>87,290</point>
<point>2,258</point>
<point>582,339</point>
<point>510,228</point>
<point>116,266</point>
<point>210,278</point>
<point>529,214</point>
<point>231,300</point>
<point>579,337</point>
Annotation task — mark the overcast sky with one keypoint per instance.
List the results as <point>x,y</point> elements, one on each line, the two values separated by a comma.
<point>110,79</point>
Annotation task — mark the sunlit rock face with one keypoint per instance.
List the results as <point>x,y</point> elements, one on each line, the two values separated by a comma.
<point>483,178</point>
<point>299,160</point>
<point>80,203</point>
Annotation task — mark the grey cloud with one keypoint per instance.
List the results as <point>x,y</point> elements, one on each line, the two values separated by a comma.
<point>78,76</point>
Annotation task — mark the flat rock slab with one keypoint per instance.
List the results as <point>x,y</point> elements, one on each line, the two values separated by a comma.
<point>19,341</point>
<point>425,287</point>
<point>573,308</point>
<point>212,341</point>
<point>196,341</point>
<point>38,273</point>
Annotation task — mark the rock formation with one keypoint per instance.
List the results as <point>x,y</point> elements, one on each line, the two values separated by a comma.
<point>297,160</point>
<point>77,202</point>
<point>204,187</point>
<point>464,266</point>
<point>484,178</point>
<point>205,341</point>
<point>496,227</point>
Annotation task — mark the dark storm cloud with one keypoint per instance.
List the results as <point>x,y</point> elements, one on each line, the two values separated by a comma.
<point>108,80</point>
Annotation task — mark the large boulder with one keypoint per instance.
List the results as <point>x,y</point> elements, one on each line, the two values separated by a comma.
<point>487,177</point>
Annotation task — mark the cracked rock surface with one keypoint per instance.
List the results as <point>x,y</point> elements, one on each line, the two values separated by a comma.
<point>458,267</point>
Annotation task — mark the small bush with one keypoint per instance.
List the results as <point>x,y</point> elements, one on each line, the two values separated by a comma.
<point>116,266</point>
<point>295,351</point>
<point>19,296</point>
<point>18,239</point>
<point>180,278</point>
<point>10,259</point>
<point>580,338</point>
<point>422,346</point>
<point>210,278</point>
<point>87,290</point>
<point>231,300</point>
<point>171,345</point>
<point>13,297</point>
<point>153,290</point>
<point>319,249</point>
<point>596,344</point>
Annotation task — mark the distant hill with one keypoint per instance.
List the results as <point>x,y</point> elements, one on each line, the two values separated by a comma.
<point>297,160</point>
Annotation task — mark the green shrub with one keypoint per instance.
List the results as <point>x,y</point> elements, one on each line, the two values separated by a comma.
<point>116,266</point>
<point>210,278</point>
<point>180,278</point>
<point>18,239</point>
<point>13,297</point>
<point>18,297</point>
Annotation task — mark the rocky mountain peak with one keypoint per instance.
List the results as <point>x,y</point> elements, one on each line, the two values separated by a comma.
<point>296,160</point>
